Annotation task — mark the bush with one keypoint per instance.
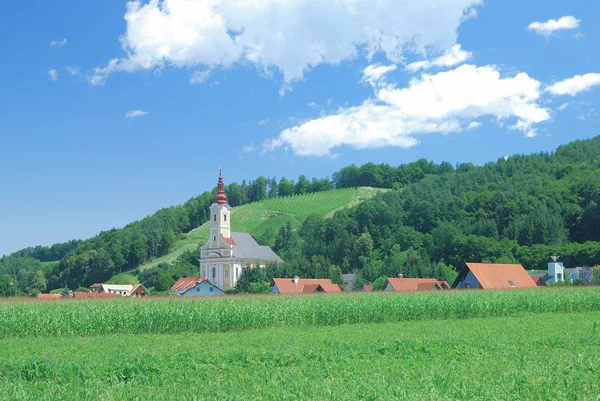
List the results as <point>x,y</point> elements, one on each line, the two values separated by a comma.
<point>259,288</point>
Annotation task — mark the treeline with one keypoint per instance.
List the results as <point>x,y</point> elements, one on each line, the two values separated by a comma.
<point>434,218</point>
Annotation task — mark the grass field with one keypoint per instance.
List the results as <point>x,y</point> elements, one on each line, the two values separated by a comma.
<point>544,356</point>
<point>255,218</point>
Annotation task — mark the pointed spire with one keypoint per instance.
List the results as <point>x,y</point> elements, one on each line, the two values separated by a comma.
<point>221,198</point>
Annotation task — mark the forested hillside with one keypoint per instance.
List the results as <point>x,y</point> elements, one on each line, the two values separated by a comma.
<point>436,217</point>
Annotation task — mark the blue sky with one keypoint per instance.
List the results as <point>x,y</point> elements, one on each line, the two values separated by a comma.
<point>110,111</point>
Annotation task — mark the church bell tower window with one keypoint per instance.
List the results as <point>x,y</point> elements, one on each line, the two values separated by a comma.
<point>225,217</point>
<point>215,217</point>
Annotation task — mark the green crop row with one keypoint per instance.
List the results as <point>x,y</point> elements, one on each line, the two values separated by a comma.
<point>132,316</point>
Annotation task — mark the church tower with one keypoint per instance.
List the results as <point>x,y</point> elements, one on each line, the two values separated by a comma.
<point>220,216</point>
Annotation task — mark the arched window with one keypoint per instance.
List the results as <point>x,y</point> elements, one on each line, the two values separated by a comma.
<point>214,272</point>
<point>225,217</point>
<point>214,238</point>
<point>215,217</point>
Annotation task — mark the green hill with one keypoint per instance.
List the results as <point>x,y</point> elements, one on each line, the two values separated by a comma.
<point>272,214</point>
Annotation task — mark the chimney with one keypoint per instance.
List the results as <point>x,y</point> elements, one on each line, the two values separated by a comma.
<point>295,279</point>
<point>400,275</point>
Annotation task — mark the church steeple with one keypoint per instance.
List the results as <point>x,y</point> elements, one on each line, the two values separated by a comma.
<point>221,198</point>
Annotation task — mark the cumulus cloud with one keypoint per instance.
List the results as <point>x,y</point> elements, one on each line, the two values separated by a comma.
<point>58,43</point>
<point>572,86</point>
<point>448,101</point>
<point>136,113</point>
<point>53,74</point>
<point>552,25</point>
<point>473,125</point>
<point>375,74</point>
<point>451,57</point>
<point>291,36</point>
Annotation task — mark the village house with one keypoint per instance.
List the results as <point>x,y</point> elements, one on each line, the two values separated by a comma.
<point>49,296</point>
<point>94,295</point>
<point>558,273</point>
<point>298,285</point>
<point>348,280</point>
<point>493,276</point>
<point>123,290</point>
<point>195,286</point>
<point>367,287</point>
<point>402,284</point>
<point>227,253</point>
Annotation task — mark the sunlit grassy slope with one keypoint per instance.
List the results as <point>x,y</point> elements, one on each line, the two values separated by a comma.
<point>255,218</point>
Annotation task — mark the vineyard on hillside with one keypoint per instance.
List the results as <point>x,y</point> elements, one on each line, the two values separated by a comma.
<point>272,214</point>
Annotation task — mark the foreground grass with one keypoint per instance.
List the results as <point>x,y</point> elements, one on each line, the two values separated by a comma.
<point>255,218</point>
<point>222,314</point>
<point>532,357</point>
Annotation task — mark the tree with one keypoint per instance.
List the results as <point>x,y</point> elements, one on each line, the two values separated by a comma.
<point>259,288</point>
<point>6,286</point>
<point>164,282</point>
<point>335,275</point>
<point>379,283</point>
<point>302,186</point>
<point>596,275</point>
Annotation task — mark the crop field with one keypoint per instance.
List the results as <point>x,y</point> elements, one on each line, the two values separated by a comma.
<point>255,218</point>
<point>234,313</point>
<point>533,356</point>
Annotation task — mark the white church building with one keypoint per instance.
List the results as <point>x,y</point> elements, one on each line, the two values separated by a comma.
<point>227,253</point>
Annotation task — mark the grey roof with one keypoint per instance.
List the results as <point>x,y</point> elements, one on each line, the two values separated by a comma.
<point>247,248</point>
<point>348,277</point>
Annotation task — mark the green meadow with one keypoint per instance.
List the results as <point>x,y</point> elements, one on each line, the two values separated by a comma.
<point>459,345</point>
<point>272,214</point>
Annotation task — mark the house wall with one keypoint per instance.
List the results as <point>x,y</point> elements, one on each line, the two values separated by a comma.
<point>388,287</point>
<point>469,279</point>
<point>275,289</point>
<point>202,289</point>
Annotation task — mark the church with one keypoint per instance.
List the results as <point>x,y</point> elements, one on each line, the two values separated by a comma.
<point>227,253</point>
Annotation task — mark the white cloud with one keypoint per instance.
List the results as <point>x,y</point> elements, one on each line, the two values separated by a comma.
<point>375,74</point>
<point>53,74</point>
<point>291,36</point>
<point>473,125</point>
<point>58,43</point>
<point>453,56</point>
<point>73,71</point>
<point>562,106</point>
<point>248,148</point>
<point>448,101</point>
<point>313,105</point>
<point>574,85</point>
<point>136,113</point>
<point>263,122</point>
<point>199,77</point>
<point>549,27</point>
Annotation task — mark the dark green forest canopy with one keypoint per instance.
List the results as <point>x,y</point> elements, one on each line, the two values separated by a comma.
<point>436,217</point>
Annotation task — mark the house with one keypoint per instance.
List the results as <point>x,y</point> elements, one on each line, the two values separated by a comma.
<point>123,290</point>
<point>583,273</point>
<point>298,285</point>
<point>49,296</point>
<point>138,291</point>
<point>402,284</point>
<point>195,286</point>
<point>493,276</point>
<point>349,280</point>
<point>367,287</point>
<point>94,295</point>
<point>538,279</point>
<point>227,253</point>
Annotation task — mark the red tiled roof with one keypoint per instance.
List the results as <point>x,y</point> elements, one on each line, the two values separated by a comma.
<point>95,285</point>
<point>49,296</point>
<point>416,284</point>
<point>305,285</point>
<point>185,283</point>
<point>368,287</point>
<point>539,281</point>
<point>494,276</point>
